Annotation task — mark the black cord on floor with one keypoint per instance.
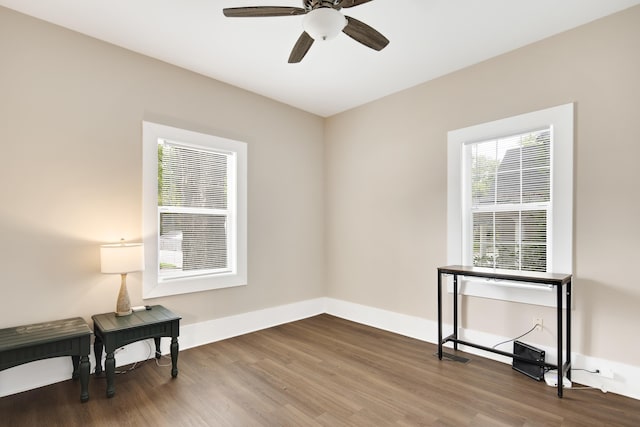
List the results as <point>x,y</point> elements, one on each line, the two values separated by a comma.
<point>134,365</point>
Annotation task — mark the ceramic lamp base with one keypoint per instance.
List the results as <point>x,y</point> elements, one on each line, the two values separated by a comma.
<point>123,306</point>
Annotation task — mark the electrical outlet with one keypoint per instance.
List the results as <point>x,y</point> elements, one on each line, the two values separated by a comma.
<point>537,322</point>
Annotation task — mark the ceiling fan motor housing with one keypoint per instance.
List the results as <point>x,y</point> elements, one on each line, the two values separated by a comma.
<point>315,4</point>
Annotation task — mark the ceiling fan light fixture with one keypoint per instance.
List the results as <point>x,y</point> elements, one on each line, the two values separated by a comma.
<point>324,23</point>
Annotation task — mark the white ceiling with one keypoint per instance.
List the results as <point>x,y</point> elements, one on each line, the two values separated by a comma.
<point>428,38</point>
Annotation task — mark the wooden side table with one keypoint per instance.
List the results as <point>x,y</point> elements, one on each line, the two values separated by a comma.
<point>113,332</point>
<point>68,337</point>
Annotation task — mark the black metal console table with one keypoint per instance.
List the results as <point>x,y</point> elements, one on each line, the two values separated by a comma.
<point>562,283</point>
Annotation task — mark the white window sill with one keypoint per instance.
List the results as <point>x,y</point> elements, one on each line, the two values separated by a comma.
<point>506,290</point>
<point>194,284</point>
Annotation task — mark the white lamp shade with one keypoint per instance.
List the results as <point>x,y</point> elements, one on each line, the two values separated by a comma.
<point>121,258</point>
<point>324,23</point>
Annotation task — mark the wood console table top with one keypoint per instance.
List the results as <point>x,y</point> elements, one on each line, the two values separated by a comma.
<point>554,279</point>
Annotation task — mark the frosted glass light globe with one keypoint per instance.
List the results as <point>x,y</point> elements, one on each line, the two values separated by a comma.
<point>324,23</point>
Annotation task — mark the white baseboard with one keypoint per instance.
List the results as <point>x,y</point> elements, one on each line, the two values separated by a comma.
<point>49,371</point>
<point>410,326</point>
<point>625,378</point>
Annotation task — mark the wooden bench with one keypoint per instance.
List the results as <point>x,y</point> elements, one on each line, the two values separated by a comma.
<point>68,337</point>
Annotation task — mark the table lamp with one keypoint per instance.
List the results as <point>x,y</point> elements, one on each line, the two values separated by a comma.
<point>122,258</point>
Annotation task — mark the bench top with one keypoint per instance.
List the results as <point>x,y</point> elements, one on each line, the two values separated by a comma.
<point>42,333</point>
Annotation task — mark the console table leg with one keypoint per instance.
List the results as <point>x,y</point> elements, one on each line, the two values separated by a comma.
<point>174,357</point>
<point>439,315</point>
<point>568,321</point>
<point>110,367</point>
<point>455,311</point>
<point>560,363</point>
<point>85,367</point>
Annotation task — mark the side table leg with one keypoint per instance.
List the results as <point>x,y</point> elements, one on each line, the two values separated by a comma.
<point>157,341</point>
<point>85,367</point>
<point>174,357</point>
<point>110,367</point>
<point>97,351</point>
<point>75,361</point>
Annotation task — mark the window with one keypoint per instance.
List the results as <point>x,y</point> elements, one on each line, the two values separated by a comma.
<point>194,207</point>
<point>510,198</point>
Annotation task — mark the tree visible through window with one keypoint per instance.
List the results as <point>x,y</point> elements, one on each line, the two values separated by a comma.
<point>193,209</point>
<point>510,201</point>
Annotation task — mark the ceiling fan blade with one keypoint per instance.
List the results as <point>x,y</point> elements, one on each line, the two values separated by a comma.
<point>352,3</point>
<point>361,32</point>
<point>301,48</point>
<point>262,11</point>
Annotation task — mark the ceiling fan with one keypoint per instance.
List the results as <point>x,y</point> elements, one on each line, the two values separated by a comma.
<point>322,21</point>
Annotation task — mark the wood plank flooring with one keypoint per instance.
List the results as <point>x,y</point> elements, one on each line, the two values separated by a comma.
<point>321,371</point>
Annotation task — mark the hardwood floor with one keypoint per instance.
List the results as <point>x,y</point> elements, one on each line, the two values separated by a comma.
<point>321,371</point>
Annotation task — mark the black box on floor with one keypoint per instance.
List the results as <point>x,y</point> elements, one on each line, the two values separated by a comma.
<point>529,369</point>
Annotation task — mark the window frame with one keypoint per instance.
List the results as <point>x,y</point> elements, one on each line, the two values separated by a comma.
<point>155,286</point>
<point>560,240</point>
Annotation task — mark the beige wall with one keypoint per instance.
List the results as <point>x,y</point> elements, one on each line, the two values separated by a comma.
<point>386,184</point>
<point>71,109</point>
<point>353,207</point>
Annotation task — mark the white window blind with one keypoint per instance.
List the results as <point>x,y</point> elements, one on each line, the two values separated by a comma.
<point>195,213</point>
<point>510,200</point>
